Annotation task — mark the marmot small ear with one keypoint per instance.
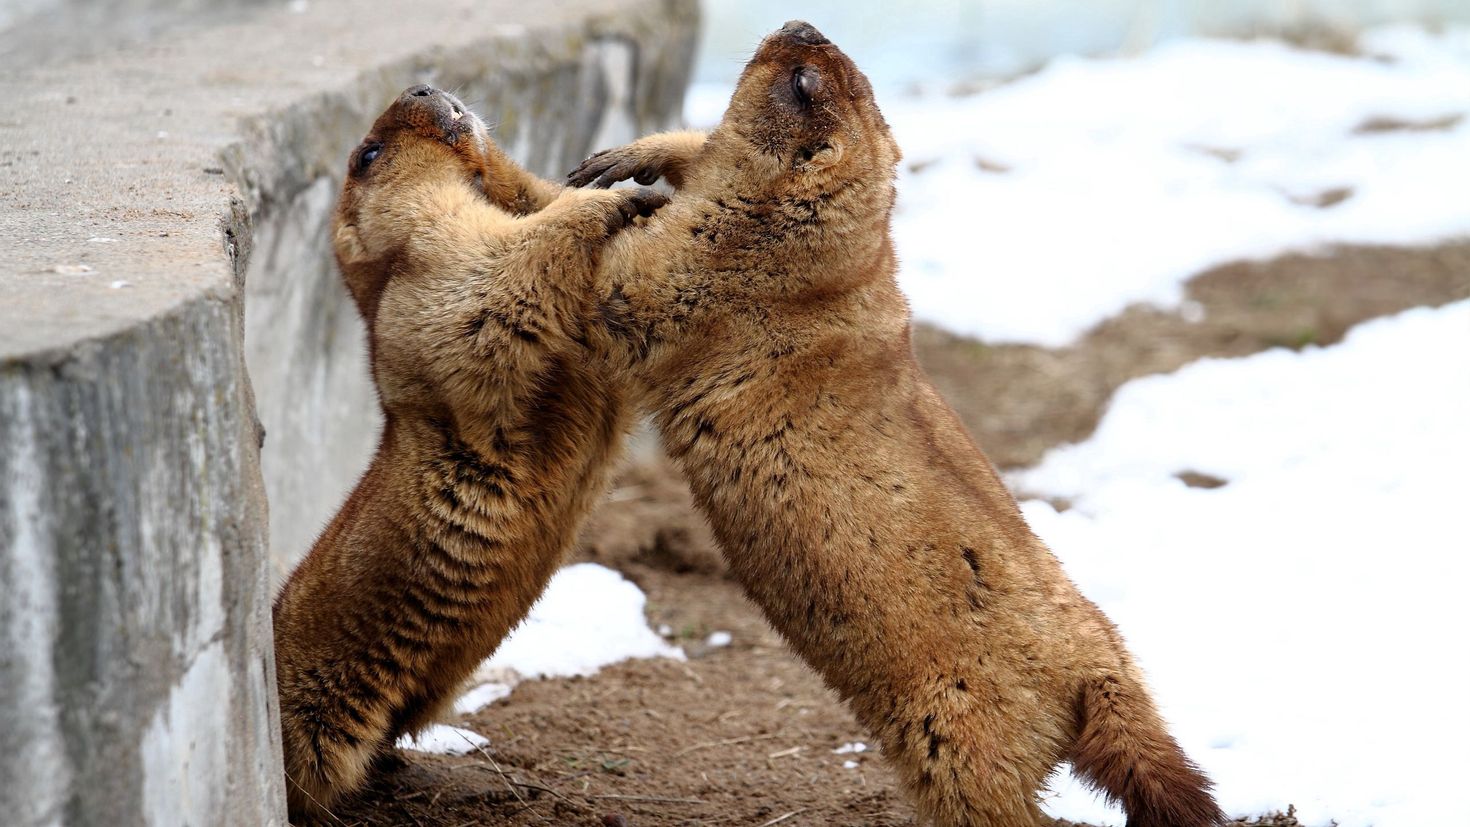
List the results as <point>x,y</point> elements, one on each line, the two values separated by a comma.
<point>348,244</point>
<point>824,155</point>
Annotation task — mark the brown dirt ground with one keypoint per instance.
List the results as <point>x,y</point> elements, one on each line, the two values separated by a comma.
<point>743,735</point>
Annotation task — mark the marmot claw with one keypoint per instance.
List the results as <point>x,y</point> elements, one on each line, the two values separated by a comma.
<point>610,166</point>
<point>634,203</point>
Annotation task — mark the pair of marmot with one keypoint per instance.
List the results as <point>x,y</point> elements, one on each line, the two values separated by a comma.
<point>515,327</point>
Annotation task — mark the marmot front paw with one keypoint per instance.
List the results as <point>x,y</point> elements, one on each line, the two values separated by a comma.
<point>631,204</point>
<point>610,166</point>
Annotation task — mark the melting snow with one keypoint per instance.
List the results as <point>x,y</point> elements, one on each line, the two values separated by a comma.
<point>1031,212</point>
<point>480,697</point>
<point>588,618</point>
<point>444,740</point>
<point>1303,624</point>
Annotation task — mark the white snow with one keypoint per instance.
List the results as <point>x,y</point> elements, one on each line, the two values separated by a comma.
<point>849,765</point>
<point>444,740</point>
<point>851,747</point>
<point>1114,187</point>
<point>589,617</point>
<point>717,640</point>
<point>480,697</point>
<point>1303,625</point>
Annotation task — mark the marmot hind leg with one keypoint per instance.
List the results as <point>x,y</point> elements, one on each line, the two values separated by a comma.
<point>970,750</point>
<point>326,763</point>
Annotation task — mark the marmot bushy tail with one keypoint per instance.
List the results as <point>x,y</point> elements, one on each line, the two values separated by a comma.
<point>1125,750</point>
<point>474,280</point>
<point>761,320</point>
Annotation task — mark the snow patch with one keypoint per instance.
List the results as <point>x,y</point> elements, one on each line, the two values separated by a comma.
<point>1298,623</point>
<point>1099,183</point>
<point>442,739</point>
<point>480,697</point>
<point>589,617</point>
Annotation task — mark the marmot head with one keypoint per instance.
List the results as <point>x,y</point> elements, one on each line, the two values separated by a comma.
<point>808,114</point>
<point>426,138</point>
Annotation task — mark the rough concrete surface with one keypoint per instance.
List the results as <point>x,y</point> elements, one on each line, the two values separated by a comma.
<point>161,214</point>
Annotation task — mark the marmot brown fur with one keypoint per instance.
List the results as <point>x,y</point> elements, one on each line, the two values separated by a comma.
<point>475,281</point>
<point>766,330</point>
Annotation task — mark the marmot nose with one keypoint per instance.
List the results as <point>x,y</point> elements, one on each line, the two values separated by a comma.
<point>426,95</point>
<point>800,31</point>
<point>425,104</point>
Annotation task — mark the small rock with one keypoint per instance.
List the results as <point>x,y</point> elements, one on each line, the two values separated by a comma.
<point>120,284</point>
<point>994,167</point>
<point>74,269</point>
<point>1199,479</point>
<point>718,639</point>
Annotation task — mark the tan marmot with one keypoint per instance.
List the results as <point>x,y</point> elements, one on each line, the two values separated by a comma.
<point>765,326</point>
<point>475,281</point>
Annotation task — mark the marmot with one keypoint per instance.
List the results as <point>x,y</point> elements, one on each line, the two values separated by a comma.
<point>766,328</point>
<point>475,281</point>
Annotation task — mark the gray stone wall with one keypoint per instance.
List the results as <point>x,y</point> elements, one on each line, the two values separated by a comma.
<point>162,209</point>
<point>136,681</point>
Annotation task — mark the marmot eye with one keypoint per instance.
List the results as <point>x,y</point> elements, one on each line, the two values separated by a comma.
<point>805,83</point>
<point>368,154</point>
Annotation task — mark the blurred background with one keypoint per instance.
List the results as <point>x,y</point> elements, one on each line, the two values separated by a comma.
<point>1196,274</point>
<point>942,42</point>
